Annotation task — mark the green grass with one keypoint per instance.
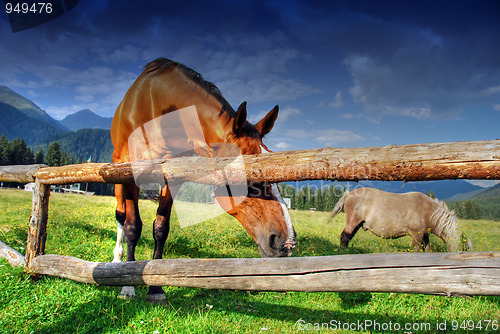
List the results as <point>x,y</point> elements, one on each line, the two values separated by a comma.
<point>85,227</point>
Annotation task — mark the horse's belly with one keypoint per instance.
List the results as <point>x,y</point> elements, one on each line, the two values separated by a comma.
<point>384,229</point>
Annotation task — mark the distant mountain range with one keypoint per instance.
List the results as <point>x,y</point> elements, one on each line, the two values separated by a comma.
<point>442,189</point>
<point>82,134</point>
<point>86,119</point>
<point>480,194</point>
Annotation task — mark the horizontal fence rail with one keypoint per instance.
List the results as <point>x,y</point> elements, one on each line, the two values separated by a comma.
<point>427,273</point>
<point>458,160</point>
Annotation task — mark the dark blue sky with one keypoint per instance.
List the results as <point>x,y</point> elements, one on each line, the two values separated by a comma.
<point>348,74</point>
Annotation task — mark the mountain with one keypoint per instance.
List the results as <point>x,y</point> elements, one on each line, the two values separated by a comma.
<point>21,118</point>
<point>489,192</point>
<point>27,107</point>
<point>86,119</point>
<point>483,193</point>
<point>16,124</point>
<point>442,189</point>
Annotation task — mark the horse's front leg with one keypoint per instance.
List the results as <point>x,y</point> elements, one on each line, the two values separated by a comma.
<point>426,243</point>
<point>161,228</point>
<point>418,241</point>
<point>132,228</point>
<point>352,226</point>
<point>120,221</point>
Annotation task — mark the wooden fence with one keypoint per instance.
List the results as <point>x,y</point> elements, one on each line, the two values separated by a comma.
<point>445,273</point>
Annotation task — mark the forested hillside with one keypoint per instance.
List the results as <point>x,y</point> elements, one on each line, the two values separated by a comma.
<point>94,144</point>
<point>484,204</point>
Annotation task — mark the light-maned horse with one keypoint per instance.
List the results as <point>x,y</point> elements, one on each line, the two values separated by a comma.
<point>165,86</point>
<point>390,215</point>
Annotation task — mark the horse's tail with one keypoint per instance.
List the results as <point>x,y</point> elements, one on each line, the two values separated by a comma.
<point>340,205</point>
<point>465,242</point>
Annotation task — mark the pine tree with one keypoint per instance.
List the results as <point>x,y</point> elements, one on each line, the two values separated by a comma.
<point>53,157</point>
<point>3,150</point>
<point>39,157</point>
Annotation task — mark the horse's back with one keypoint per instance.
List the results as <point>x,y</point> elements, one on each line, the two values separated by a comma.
<point>154,93</point>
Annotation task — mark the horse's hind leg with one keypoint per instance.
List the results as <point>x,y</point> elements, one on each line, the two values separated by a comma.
<point>161,227</point>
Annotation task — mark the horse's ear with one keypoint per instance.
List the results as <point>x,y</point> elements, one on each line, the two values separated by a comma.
<point>241,117</point>
<point>266,124</point>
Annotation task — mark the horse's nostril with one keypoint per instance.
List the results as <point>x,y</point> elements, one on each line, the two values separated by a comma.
<point>272,241</point>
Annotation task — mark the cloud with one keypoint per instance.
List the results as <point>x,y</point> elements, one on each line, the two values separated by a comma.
<point>337,102</point>
<point>428,74</point>
<point>334,137</point>
<point>410,61</point>
<point>91,58</point>
<point>283,146</point>
<point>496,107</point>
<point>326,137</point>
<point>286,113</point>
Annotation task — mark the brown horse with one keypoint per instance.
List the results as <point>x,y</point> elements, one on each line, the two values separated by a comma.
<point>166,87</point>
<point>389,215</point>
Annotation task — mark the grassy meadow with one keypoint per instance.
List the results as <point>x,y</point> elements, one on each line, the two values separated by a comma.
<point>84,227</point>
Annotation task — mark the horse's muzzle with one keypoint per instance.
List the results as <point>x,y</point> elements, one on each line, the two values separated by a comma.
<point>277,247</point>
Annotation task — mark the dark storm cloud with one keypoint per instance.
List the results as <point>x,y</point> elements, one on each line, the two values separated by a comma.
<point>98,49</point>
<point>408,58</point>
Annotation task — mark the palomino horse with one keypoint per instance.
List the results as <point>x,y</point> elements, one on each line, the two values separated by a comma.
<point>389,215</point>
<point>166,86</point>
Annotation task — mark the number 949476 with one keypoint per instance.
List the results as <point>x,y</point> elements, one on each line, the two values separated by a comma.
<point>28,8</point>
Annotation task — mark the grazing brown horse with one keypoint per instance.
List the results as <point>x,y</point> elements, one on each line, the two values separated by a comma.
<point>166,86</point>
<point>389,215</point>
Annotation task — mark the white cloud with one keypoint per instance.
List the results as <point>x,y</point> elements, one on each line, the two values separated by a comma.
<point>337,102</point>
<point>286,113</point>
<point>496,107</point>
<point>283,146</point>
<point>334,137</point>
<point>326,137</point>
<point>492,90</point>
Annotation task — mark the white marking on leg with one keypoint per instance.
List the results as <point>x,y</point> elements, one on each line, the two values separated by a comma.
<point>290,242</point>
<point>118,252</point>
<point>127,292</point>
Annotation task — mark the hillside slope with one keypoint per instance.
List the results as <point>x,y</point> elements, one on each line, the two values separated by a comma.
<point>27,107</point>
<point>16,124</point>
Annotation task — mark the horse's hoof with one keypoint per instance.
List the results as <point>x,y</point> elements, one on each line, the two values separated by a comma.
<point>128,292</point>
<point>156,298</point>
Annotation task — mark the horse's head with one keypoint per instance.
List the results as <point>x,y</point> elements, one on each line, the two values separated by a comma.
<point>261,213</point>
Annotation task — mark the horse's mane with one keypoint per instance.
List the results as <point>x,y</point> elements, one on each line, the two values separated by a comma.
<point>445,221</point>
<point>160,65</point>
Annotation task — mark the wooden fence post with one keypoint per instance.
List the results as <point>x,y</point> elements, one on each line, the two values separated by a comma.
<point>37,232</point>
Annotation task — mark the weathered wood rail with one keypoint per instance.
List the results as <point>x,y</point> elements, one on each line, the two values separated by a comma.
<point>428,273</point>
<point>444,273</point>
<point>422,162</point>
